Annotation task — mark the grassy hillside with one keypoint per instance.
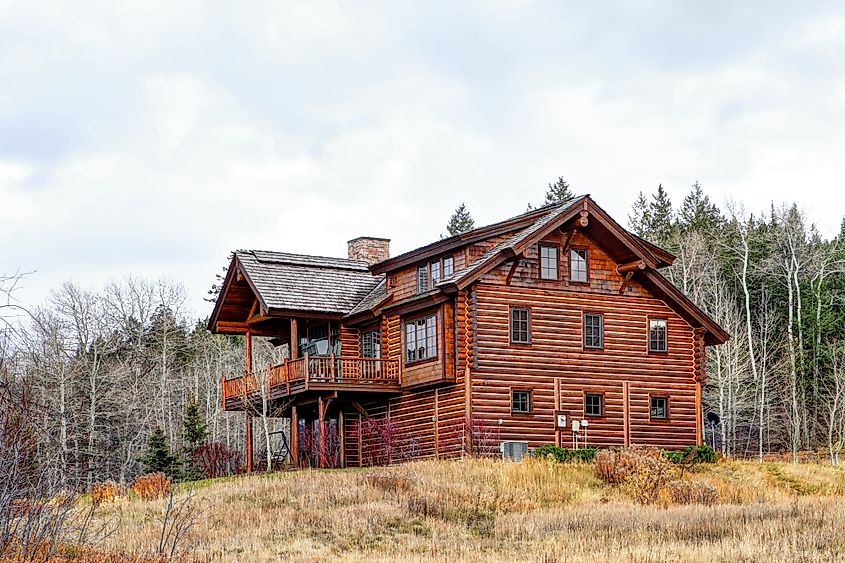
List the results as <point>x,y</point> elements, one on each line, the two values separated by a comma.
<point>489,510</point>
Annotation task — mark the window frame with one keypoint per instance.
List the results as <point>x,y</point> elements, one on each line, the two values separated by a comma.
<point>370,332</point>
<point>426,267</point>
<point>665,350</point>
<point>586,251</point>
<point>666,410</point>
<point>602,405</point>
<point>556,248</point>
<point>511,310</point>
<point>413,321</point>
<point>584,345</point>
<point>527,391</point>
<point>422,269</point>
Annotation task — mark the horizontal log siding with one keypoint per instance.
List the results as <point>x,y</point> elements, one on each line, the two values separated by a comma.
<point>556,351</point>
<point>350,341</point>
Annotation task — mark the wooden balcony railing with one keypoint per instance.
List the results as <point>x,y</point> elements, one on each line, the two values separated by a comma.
<point>317,372</point>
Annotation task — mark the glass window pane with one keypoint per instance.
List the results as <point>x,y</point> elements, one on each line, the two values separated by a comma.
<point>448,266</point>
<point>435,272</point>
<point>548,262</point>
<point>422,279</point>
<point>578,265</point>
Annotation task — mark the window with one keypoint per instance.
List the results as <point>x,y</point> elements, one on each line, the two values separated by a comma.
<point>578,266</point>
<point>659,407</point>
<point>593,404</point>
<point>421,339</point>
<point>548,262</point>
<point>448,266</point>
<point>435,272</point>
<point>593,331</point>
<point>371,344</point>
<point>521,402</point>
<point>422,278</point>
<point>657,341</point>
<point>432,272</point>
<point>520,326</point>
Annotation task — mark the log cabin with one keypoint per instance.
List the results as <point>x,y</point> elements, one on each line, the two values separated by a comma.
<point>551,327</point>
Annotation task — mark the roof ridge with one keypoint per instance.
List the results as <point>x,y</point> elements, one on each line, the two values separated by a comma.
<point>313,260</point>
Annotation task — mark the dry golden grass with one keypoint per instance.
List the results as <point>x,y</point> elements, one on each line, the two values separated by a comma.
<point>489,510</point>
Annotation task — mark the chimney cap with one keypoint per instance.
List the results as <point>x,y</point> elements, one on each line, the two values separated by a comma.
<point>368,238</point>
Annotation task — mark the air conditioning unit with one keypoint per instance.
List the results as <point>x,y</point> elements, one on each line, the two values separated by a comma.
<point>513,451</point>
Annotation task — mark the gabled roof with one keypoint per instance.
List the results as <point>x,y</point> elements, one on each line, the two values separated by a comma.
<point>287,283</point>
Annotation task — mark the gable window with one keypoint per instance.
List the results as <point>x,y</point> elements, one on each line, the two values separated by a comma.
<point>657,335</point>
<point>593,404</point>
<point>422,278</point>
<point>448,266</point>
<point>593,331</point>
<point>521,402</point>
<point>520,326</point>
<point>421,339</point>
<point>548,262</point>
<point>371,344</point>
<point>578,264</point>
<point>659,407</point>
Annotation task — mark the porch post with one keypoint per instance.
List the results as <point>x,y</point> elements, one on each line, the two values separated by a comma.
<point>321,414</point>
<point>341,433</point>
<point>250,467</point>
<point>294,339</point>
<point>294,437</point>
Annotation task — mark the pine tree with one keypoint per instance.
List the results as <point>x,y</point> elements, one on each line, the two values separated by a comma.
<point>158,456</point>
<point>697,212</point>
<point>640,217</point>
<point>558,192</point>
<point>194,434</point>
<point>460,222</point>
<point>662,217</point>
<point>217,286</point>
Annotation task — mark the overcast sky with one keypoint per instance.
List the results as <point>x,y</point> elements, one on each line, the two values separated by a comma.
<point>152,139</point>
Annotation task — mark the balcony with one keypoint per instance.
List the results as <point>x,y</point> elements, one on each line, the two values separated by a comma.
<point>313,373</point>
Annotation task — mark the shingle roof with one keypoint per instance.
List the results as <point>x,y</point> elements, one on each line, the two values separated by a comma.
<point>307,283</point>
<point>554,211</point>
<point>373,299</point>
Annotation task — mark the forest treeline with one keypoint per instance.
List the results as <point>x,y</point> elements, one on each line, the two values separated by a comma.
<point>109,366</point>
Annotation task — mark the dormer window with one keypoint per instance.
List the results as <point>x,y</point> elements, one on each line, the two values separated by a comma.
<point>422,278</point>
<point>430,273</point>
<point>448,266</point>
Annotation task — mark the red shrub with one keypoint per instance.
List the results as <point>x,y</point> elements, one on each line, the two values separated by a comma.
<point>215,459</point>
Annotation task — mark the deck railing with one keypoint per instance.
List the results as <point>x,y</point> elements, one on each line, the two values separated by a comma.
<point>333,370</point>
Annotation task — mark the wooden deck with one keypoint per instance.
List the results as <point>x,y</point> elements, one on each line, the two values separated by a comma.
<point>315,373</point>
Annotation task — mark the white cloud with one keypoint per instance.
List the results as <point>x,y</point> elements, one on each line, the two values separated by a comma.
<point>154,139</point>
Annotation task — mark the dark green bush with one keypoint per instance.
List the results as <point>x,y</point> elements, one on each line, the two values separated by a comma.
<point>692,455</point>
<point>564,455</point>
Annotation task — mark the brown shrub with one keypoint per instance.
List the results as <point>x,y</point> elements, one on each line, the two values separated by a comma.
<point>152,486</point>
<point>107,491</point>
<point>642,471</point>
<point>692,492</point>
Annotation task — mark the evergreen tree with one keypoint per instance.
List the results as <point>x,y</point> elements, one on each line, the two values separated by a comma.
<point>194,434</point>
<point>639,219</point>
<point>698,213</point>
<point>558,192</point>
<point>460,222</point>
<point>653,219</point>
<point>219,278</point>
<point>158,456</point>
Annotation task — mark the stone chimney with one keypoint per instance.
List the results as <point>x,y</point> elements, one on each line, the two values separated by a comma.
<point>369,249</point>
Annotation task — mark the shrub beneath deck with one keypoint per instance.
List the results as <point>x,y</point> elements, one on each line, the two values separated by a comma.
<point>564,455</point>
